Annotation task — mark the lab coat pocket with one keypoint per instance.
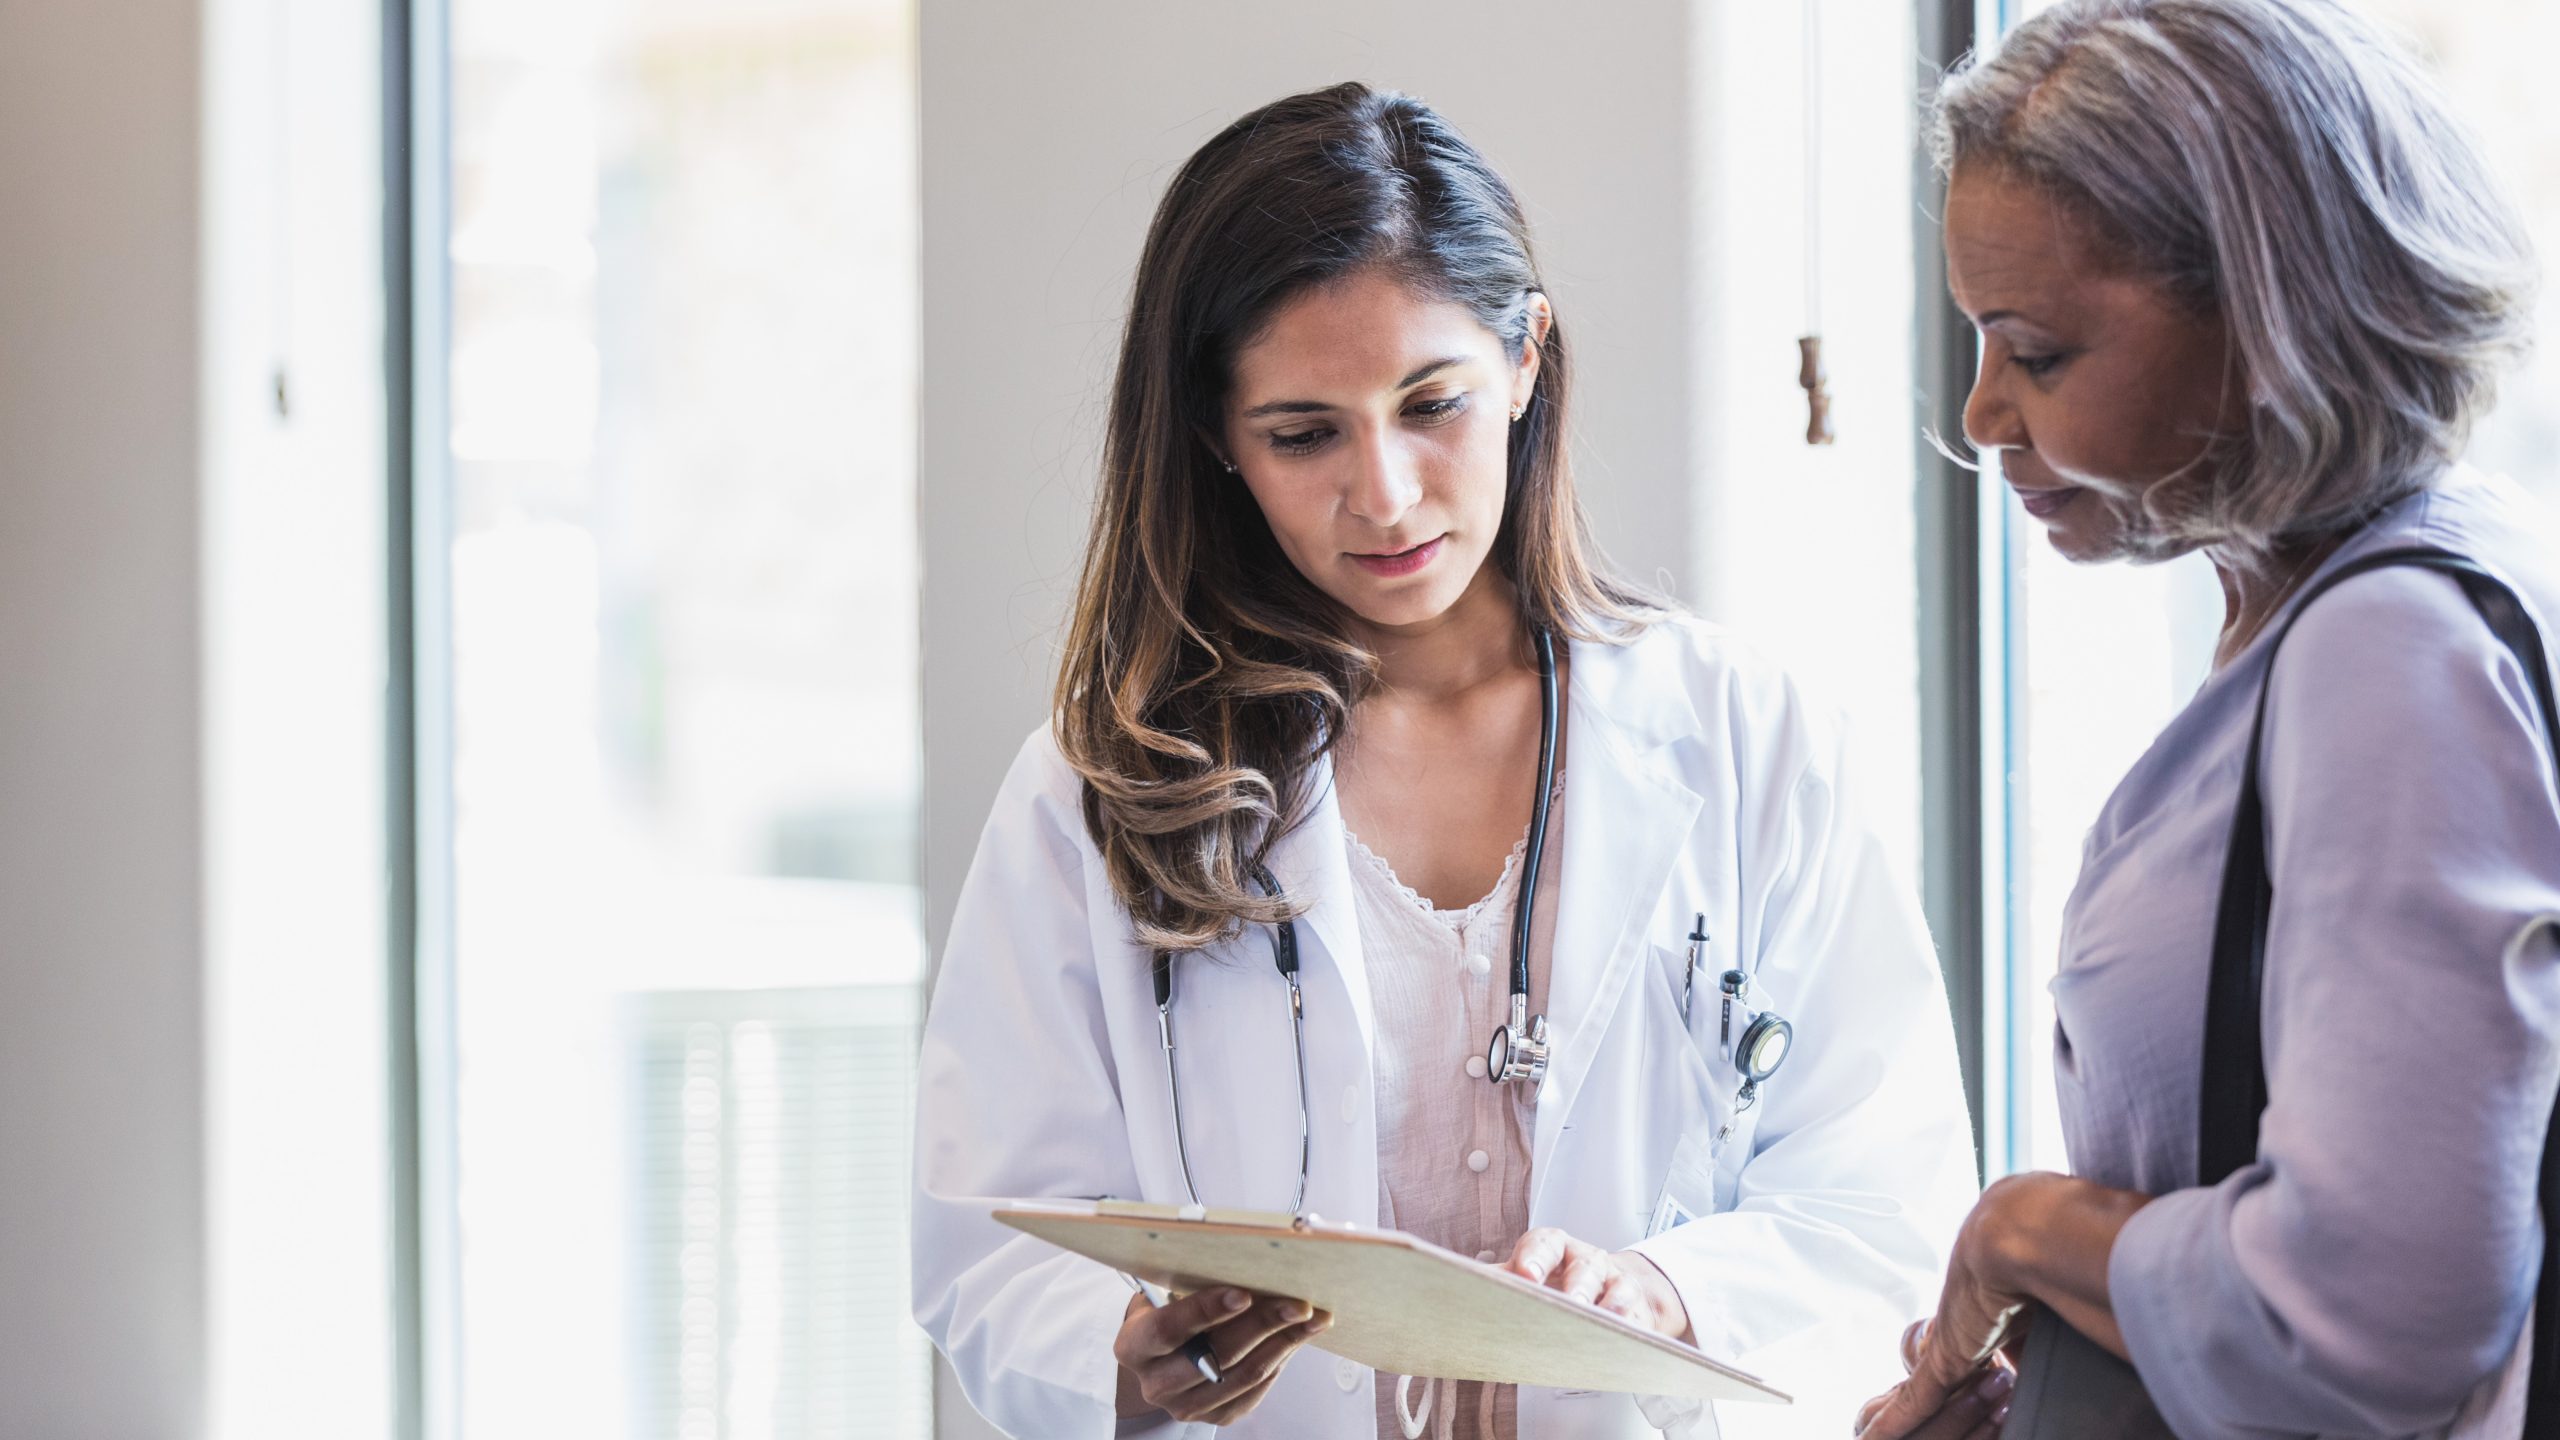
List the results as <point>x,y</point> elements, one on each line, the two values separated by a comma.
<point>1696,1090</point>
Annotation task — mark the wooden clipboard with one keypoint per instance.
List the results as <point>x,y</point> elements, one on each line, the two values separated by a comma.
<point>1401,1306</point>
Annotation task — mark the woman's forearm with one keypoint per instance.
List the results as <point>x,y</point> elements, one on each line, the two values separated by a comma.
<point>2051,1240</point>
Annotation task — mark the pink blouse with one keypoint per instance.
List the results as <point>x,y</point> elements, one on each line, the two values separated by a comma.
<point>1453,1151</point>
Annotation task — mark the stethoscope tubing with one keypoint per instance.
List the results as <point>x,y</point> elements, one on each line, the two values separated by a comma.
<point>1284,949</point>
<point>1535,857</point>
<point>1284,955</point>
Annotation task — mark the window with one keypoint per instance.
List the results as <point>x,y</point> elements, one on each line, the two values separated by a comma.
<point>675,502</point>
<point>2098,660</point>
<point>1840,262</point>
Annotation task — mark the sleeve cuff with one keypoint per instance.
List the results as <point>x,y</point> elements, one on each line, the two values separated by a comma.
<point>1710,1329</point>
<point>1059,1377</point>
<point>2155,1281</point>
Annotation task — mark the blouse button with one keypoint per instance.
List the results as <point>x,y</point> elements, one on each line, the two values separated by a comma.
<point>1475,1067</point>
<point>1477,1160</point>
<point>1346,1373</point>
<point>1482,965</point>
<point>1484,1257</point>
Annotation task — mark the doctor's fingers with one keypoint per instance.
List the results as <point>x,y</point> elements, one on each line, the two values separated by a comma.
<point>1173,1385</point>
<point>1623,1295</point>
<point>1271,1315</point>
<point>1242,1405</point>
<point>1257,1372</point>
<point>1536,1253</point>
<point>1150,1331</point>
<point>1586,1271</point>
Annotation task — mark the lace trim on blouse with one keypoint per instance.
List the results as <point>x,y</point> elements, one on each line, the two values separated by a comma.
<point>1454,919</point>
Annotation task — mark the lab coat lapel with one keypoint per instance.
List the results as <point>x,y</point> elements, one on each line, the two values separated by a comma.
<point>1313,867</point>
<point>1627,814</point>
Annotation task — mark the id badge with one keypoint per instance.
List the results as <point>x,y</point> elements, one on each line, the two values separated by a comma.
<point>1689,1191</point>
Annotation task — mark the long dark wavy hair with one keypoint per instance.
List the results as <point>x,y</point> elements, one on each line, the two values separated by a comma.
<point>1204,676</point>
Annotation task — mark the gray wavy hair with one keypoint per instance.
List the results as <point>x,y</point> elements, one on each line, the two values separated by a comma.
<point>2289,165</point>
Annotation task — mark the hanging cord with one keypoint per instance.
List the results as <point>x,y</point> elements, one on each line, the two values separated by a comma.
<point>280,240</point>
<point>1810,372</point>
<point>1414,1422</point>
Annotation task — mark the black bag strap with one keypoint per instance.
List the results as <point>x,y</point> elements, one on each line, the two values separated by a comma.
<point>2234,1097</point>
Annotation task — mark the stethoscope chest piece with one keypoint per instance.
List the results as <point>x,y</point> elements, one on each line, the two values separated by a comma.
<point>1519,1050</point>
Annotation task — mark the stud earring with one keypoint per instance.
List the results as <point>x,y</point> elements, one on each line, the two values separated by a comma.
<point>1230,466</point>
<point>1517,411</point>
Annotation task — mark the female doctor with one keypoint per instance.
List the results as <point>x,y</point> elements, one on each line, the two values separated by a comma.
<point>1349,707</point>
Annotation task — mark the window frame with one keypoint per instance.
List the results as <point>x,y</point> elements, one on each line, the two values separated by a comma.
<point>418,724</point>
<point>1966,645</point>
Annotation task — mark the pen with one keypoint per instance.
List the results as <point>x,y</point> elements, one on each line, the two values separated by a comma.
<point>1689,982</point>
<point>1197,1347</point>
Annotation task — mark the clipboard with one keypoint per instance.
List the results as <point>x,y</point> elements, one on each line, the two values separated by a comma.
<point>1400,1305</point>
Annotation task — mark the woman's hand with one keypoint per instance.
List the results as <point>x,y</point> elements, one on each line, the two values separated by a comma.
<point>1622,1282</point>
<point>1250,1337</point>
<point>1975,1412</point>
<point>2034,1238</point>
<point>1949,1355</point>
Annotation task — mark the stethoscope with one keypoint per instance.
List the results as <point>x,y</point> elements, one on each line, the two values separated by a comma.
<point>1519,1049</point>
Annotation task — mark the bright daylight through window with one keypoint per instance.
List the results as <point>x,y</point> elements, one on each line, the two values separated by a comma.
<point>687,950</point>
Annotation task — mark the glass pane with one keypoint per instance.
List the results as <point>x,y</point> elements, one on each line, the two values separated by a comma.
<point>1841,611</point>
<point>2491,56</point>
<point>2100,659</point>
<point>684,582</point>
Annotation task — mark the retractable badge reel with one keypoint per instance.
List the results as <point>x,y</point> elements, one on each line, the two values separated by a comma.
<point>1766,1039</point>
<point>1766,1035</point>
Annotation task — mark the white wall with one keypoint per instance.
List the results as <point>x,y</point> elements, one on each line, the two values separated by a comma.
<point>193,1204</point>
<point>102,1242</point>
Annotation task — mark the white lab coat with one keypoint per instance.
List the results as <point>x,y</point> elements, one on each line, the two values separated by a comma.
<point>1701,781</point>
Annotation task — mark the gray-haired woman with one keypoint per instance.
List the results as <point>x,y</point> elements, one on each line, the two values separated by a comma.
<point>2242,285</point>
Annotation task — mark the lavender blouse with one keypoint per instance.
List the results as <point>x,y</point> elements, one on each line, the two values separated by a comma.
<point>2370,1274</point>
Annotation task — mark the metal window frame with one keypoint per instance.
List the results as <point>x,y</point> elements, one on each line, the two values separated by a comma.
<point>418,730</point>
<point>1966,641</point>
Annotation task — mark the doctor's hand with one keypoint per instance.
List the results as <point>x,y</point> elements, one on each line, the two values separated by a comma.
<point>1621,1282</point>
<point>1250,1336</point>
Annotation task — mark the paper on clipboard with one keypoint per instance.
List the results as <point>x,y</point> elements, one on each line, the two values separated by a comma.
<point>1400,1305</point>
